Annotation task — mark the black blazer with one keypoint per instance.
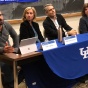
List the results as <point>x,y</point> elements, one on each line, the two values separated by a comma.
<point>50,30</point>
<point>83,25</point>
<point>26,31</point>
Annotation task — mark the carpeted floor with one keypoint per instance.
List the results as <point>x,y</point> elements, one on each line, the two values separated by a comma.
<point>78,85</point>
<point>22,85</point>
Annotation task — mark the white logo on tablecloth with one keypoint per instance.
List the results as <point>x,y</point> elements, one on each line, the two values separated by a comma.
<point>84,53</point>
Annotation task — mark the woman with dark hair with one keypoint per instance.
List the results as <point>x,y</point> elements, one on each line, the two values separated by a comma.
<point>83,23</point>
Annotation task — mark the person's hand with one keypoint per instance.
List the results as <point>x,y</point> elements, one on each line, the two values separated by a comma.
<point>72,32</point>
<point>8,49</point>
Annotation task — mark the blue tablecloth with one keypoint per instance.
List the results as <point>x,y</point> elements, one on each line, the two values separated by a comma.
<point>67,61</point>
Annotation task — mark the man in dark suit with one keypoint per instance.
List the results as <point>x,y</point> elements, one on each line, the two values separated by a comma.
<point>52,23</point>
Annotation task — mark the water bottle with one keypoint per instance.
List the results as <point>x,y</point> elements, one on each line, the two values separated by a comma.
<point>59,30</point>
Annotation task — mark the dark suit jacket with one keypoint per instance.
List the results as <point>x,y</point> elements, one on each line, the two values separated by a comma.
<point>26,31</point>
<point>50,30</point>
<point>83,25</point>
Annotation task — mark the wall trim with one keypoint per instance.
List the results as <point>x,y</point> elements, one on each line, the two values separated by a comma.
<point>41,18</point>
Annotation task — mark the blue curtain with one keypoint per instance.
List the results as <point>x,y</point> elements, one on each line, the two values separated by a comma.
<point>7,1</point>
<point>27,0</point>
<point>18,1</point>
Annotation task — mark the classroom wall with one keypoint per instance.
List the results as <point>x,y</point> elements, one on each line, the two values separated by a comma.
<point>72,21</point>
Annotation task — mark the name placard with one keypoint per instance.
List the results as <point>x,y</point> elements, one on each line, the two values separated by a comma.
<point>49,45</point>
<point>69,40</point>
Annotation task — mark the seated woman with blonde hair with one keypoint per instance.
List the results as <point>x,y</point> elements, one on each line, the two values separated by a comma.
<point>28,27</point>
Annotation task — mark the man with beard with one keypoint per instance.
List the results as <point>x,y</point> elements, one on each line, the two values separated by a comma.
<point>6,30</point>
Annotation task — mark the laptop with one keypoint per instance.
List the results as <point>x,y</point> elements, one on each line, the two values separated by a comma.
<point>28,45</point>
